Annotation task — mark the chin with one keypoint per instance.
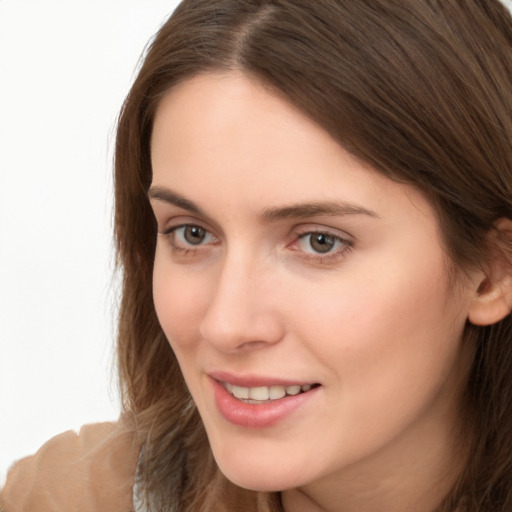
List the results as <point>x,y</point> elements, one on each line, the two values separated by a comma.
<point>259,476</point>
<point>258,482</point>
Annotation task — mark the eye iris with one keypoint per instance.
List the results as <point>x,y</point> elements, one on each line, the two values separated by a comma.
<point>321,242</point>
<point>194,235</point>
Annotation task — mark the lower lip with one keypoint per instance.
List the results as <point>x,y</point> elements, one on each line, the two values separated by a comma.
<point>258,415</point>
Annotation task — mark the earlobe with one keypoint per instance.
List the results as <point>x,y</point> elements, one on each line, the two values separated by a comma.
<point>493,298</point>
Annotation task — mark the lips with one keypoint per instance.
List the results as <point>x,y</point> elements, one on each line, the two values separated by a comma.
<point>258,402</point>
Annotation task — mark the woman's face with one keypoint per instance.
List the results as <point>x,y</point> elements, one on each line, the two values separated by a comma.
<point>305,295</point>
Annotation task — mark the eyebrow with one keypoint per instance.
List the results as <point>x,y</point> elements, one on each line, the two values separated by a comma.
<point>327,208</point>
<point>293,211</point>
<point>168,196</point>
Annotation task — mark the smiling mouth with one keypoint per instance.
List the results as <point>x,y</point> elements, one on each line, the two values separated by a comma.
<point>266,394</point>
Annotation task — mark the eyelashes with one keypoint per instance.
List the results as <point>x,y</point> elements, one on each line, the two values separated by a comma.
<point>190,234</point>
<point>322,244</point>
<point>316,244</point>
<point>189,240</point>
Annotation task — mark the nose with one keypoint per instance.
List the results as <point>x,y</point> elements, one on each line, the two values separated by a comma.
<point>243,310</point>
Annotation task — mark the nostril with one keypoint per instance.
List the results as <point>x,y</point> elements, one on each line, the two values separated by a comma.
<point>252,345</point>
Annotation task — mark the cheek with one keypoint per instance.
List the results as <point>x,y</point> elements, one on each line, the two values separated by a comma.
<point>384,331</point>
<point>391,350</point>
<point>180,299</point>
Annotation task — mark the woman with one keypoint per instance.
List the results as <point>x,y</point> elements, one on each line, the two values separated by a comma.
<point>313,213</point>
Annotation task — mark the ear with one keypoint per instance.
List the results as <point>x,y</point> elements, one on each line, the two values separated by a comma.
<point>493,298</point>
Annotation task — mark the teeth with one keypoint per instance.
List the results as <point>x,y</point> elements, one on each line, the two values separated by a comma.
<point>259,393</point>
<point>265,393</point>
<point>276,392</point>
<point>240,392</point>
<point>293,390</point>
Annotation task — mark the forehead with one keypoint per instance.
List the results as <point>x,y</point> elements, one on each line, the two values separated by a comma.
<point>218,112</point>
<point>228,134</point>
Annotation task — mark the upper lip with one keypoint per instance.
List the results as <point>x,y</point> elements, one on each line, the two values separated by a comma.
<point>252,381</point>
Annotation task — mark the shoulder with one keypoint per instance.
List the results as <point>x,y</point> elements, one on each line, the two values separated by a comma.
<point>89,471</point>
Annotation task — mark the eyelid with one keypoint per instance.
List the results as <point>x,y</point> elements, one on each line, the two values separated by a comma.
<point>179,221</point>
<point>172,229</point>
<point>303,230</point>
<point>168,216</point>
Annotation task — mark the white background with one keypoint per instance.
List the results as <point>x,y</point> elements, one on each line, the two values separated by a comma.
<point>65,67</point>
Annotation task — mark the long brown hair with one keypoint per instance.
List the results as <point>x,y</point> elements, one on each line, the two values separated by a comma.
<point>421,91</point>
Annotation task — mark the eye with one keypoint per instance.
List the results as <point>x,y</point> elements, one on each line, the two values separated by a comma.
<point>322,244</point>
<point>186,236</point>
<point>319,242</point>
<point>193,235</point>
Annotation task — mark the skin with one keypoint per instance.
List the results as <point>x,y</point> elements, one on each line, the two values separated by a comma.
<point>375,320</point>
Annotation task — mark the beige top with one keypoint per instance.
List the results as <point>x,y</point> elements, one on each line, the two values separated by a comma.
<point>89,472</point>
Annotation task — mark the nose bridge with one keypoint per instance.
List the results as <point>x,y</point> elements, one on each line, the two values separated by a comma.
<point>240,312</point>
